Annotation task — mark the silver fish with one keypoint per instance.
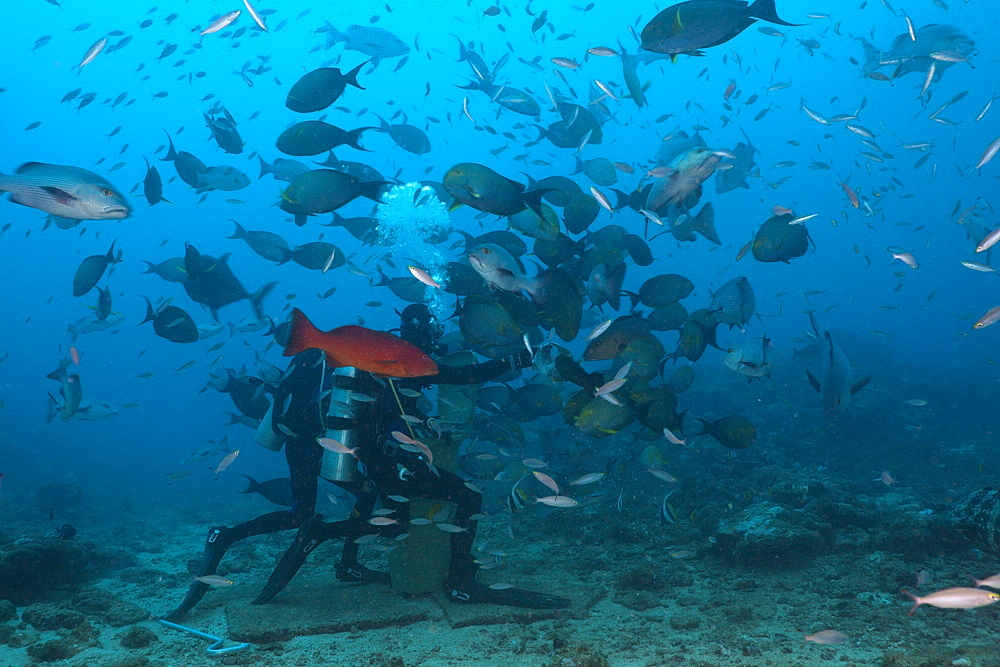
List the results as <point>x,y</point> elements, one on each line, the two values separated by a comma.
<point>69,192</point>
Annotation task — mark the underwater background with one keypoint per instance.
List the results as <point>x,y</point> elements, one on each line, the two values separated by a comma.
<point>814,524</point>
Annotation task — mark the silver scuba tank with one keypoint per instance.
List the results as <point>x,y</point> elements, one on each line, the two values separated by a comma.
<point>342,467</point>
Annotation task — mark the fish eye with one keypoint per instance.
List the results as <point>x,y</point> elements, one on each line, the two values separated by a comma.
<point>486,251</point>
<point>107,193</point>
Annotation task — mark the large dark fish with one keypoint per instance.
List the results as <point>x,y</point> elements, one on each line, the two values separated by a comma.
<point>728,180</point>
<point>68,192</point>
<point>211,283</point>
<point>324,190</point>
<point>249,394</point>
<point>320,88</point>
<point>312,137</point>
<point>268,245</point>
<point>779,241</point>
<point>699,24</point>
<point>92,268</point>
<point>734,432</point>
<point>278,491</point>
<point>577,125</point>
<point>483,189</point>
<point>408,137</point>
<point>172,323</point>
<point>282,169</point>
<point>834,378</point>
<point>224,131</point>
<point>152,185</point>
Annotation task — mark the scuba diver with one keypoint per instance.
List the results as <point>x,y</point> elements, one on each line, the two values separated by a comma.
<point>301,414</point>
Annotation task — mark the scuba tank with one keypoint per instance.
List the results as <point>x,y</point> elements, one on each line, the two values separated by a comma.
<point>342,467</point>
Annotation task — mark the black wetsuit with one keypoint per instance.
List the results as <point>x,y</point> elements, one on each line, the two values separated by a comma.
<point>389,468</point>
<point>301,403</point>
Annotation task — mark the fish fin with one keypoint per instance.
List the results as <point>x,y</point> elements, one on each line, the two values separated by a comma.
<point>253,486</point>
<point>302,335</point>
<point>813,381</point>
<point>257,300</point>
<point>859,385</point>
<point>704,223</point>
<point>371,190</point>
<point>150,313</point>
<point>354,136</point>
<point>61,196</point>
<point>352,76</point>
<point>765,11</point>
<point>533,200</point>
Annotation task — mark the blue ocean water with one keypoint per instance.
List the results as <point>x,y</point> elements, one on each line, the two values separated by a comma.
<point>910,329</point>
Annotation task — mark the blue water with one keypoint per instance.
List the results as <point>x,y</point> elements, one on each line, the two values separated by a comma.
<point>130,456</point>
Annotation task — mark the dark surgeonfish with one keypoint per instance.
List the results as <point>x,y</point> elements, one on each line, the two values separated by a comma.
<point>734,304</point>
<point>375,42</point>
<point>578,126</point>
<point>778,240</point>
<point>69,389</point>
<point>834,378</point>
<point>734,431</point>
<point>268,245</point>
<point>249,394</point>
<point>211,283</point>
<point>171,270</point>
<point>171,322</point>
<point>282,169</point>
<point>200,176</point>
<point>278,491</point>
<point>690,26</point>
<point>103,309</point>
<point>728,180</point>
<point>68,192</point>
<point>312,137</point>
<point>408,137</point>
<point>323,191</point>
<point>92,269</point>
<point>916,54</point>
<point>483,189</point>
<point>152,185</point>
<point>223,128</point>
<point>320,88</point>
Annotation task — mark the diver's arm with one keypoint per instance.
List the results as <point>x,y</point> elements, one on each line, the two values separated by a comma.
<point>477,373</point>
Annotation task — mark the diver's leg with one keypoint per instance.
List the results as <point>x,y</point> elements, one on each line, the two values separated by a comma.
<point>462,583</point>
<point>303,466</point>
<point>349,568</point>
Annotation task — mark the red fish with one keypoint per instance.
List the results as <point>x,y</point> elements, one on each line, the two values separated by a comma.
<point>376,352</point>
<point>850,194</point>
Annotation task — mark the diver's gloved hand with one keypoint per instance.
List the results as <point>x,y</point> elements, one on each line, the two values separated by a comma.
<point>520,360</point>
<point>471,590</point>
